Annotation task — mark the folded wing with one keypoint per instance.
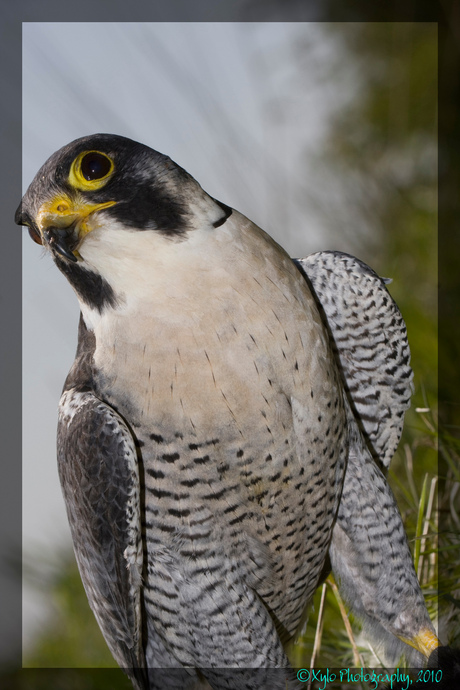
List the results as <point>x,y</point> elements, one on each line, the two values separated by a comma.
<point>100,481</point>
<point>370,340</point>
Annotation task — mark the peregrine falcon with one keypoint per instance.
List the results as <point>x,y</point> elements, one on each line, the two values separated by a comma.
<point>225,426</point>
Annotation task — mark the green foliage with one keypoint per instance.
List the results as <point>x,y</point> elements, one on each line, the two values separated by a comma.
<point>383,146</point>
<point>72,638</point>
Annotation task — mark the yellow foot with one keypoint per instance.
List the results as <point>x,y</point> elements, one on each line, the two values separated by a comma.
<point>425,641</point>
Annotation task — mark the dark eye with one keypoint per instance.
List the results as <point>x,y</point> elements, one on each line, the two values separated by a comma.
<point>95,165</point>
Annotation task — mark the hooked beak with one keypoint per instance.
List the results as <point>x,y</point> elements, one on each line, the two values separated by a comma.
<point>63,223</point>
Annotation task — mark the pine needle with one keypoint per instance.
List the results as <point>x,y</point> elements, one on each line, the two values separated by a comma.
<point>426,526</point>
<point>357,659</point>
<point>409,465</point>
<point>418,531</point>
<point>319,631</point>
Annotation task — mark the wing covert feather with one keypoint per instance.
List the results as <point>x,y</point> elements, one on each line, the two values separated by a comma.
<point>370,342</point>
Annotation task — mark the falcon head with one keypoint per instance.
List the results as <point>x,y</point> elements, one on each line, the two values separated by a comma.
<point>103,197</point>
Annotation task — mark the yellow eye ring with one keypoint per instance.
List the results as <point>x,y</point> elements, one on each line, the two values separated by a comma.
<point>91,170</point>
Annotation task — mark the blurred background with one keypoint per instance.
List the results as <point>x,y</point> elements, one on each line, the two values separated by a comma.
<point>323,134</point>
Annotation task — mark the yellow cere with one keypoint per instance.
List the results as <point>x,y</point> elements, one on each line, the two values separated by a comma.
<point>62,212</point>
<point>86,211</point>
<point>58,212</point>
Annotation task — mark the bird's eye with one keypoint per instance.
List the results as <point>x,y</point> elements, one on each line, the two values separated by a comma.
<point>90,170</point>
<point>94,166</point>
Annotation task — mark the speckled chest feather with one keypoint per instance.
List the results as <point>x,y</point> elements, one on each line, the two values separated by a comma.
<point>232,393</point>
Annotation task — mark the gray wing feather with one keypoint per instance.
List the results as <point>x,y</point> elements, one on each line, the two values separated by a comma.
<point>100,481</point>
<point>371,559</point>
<point>370,342</point>
<point>369,553</point>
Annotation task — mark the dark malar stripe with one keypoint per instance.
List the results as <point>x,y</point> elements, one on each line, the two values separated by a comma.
<point>91,287</point>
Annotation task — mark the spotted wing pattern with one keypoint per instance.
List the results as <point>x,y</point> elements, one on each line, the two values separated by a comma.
<point>370,340</point>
